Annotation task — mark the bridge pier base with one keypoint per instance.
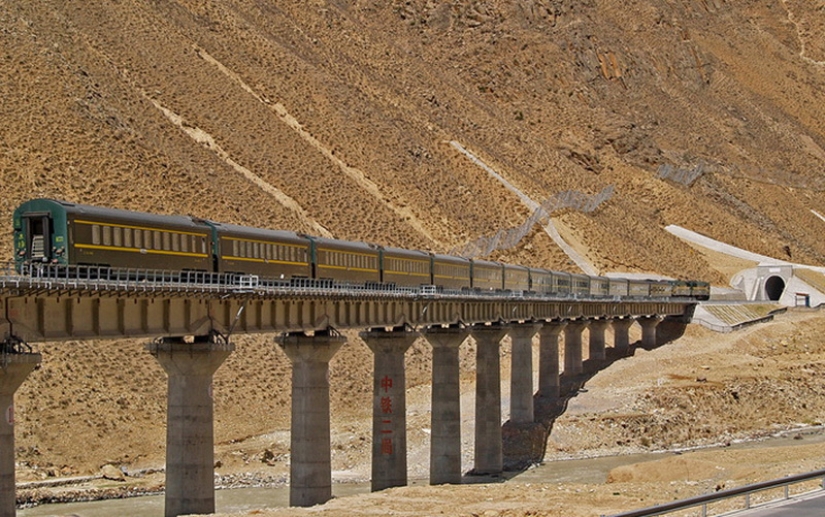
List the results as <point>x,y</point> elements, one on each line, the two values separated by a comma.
<point>13,371</point>
<point>445,446</point>
<point>190,447</point>
<point>521,374</point>
<point>597,344</point>
<point>488,445</point>
<point>389,406</point>
<point>549,360</point>
<point>649,325</point>
<point>621,334</point>
<point>573,365</point>
<point>310,470</point>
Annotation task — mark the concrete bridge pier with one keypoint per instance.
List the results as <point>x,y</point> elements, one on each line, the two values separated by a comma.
<point>649,325</point>
<point>488,444</point>
<point>389,406</point>
<point>573,364</point>
<point>445,445</point>
<point>310,471</point>
<point>621,334</point>
<point>190,443</point>
<point>597,344</point>
<point>521,374</point>
<point>14,368</point>
<point>549,360</point>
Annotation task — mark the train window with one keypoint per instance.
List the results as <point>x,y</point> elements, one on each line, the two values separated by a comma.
<point>268,251</point>
<point>138,239</point>
<point>117,236</point>
<point>127,237</point>
<point>235,250</point>
<point>203,244</point>
<point>95,234</point>
<point>157,240</point>
<point>257,247</point>
<point>166,240</point>
<point>107,235</point>
<point>184,243</point>
<point>248,249</point>
<point>147,239</point>
<point>175,242</point>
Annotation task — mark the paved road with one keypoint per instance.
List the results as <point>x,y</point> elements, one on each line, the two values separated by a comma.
<point>810,506</point>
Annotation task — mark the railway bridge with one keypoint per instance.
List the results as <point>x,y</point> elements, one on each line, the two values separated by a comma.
<point>188,327</point>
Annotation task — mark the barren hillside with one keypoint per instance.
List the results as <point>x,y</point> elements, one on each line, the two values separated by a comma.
<point>336,117</point>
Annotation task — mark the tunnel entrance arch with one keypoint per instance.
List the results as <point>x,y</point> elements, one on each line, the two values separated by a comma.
<point>774,287</point>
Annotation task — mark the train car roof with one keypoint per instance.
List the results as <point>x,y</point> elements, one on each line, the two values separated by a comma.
<point>415,254</point>
<point>451,258</point>
<point>516,266</point>
<point>76,210</point>
<point>344,245</point>
<point>258,233</point>
<point>486,263</point>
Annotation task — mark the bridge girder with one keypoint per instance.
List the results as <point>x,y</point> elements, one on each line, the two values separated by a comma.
<point>44,316</point>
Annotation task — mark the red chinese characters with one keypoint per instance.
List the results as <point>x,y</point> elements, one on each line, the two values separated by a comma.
<point>386,418</point>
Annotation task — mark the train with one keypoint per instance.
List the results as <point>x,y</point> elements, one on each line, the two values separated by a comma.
<point>58,233</point>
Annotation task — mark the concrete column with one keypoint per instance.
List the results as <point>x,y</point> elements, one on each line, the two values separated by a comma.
<point>521,374</point>
<point>549,359</point>
<point>573,348</point>
<point>389,406</point>
<point>310,470</point>
<point>597,352</point>
<point>488,444</point>
<point>445,446</point>
<point>190,438</point>
<point>621,334</point>
<point>14,368</point>
<point>649,325</point>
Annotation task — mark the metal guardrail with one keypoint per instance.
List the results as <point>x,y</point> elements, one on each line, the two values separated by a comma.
<point>746,491</point>
<point>51,277</point>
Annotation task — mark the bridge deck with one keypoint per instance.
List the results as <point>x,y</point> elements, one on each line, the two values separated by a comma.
<point>52,308</point>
